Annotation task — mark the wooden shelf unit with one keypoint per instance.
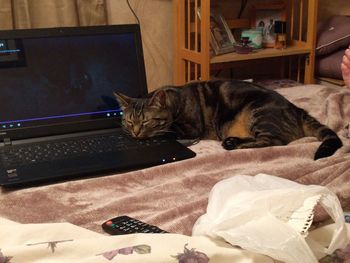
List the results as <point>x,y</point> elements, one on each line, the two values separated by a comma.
<point>192,59</point>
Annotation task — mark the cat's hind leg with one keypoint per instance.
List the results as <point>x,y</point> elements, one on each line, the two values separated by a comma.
<point>262,134</point>
<point>232,143</point>
<point>262,128</point>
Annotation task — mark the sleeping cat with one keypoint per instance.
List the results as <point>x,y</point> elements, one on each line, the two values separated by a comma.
<point>240,114</point>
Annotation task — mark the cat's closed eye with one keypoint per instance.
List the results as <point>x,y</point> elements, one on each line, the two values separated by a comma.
<point>160,121</point>
<point>146,122</point>
<point>128,122</point>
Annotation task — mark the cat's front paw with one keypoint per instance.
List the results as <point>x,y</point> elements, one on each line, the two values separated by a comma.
<point>230,143</point>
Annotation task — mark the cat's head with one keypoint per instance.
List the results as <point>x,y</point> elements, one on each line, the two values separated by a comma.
<point>145,117</point>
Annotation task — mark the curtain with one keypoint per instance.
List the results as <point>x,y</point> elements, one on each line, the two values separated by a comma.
<point>51,13</point>
<point>154,15</point>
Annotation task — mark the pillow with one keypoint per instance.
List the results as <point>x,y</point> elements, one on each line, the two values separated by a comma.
<point>333,34</point>
<point>329,66</point>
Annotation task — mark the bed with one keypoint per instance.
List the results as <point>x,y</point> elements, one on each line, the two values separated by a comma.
<point>174,195</point>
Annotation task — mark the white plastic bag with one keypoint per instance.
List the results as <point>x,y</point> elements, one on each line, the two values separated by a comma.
<point>271,216</point>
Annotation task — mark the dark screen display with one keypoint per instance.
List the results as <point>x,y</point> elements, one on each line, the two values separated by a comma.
<point>66,78</point>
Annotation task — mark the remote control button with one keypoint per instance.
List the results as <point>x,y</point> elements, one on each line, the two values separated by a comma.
<point>108,223</point>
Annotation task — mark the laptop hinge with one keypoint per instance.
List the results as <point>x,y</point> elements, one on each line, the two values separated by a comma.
<point>7,141</point>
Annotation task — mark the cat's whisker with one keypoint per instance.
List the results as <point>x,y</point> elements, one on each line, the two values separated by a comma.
<point>164,132</point>
<point>174,120</point>
<point>126,131</point>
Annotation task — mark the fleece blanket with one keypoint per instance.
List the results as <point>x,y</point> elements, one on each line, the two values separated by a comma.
<point>174,195</point>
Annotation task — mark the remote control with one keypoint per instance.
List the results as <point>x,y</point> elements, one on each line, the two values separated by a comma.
<point>122,225</point>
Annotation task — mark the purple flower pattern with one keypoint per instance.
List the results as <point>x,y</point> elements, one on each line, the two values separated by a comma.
<point>139,249</point>
<point>4,259</point>
<point>192,256</point>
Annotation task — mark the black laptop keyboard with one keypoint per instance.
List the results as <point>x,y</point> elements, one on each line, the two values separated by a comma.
<point>16,155</point>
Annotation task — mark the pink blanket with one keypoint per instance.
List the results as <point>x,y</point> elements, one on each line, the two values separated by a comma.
<point>174,195</point>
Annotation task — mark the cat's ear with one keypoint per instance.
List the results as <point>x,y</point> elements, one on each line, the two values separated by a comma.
<point>122,99</point>
<point>158,99</point>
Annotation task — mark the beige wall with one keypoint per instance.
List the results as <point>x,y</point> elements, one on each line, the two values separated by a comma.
<point>333,7</point>
<point>156,29</point>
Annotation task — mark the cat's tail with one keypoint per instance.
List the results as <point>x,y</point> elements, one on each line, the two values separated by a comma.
<point>330,140</point>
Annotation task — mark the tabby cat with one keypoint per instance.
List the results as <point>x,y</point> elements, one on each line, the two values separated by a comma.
<point>241,114</point>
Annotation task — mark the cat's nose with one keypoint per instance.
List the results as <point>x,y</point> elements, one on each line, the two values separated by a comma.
<point>136,131</point>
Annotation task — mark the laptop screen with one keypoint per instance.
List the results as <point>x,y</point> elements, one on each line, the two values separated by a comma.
<point>62,80</point>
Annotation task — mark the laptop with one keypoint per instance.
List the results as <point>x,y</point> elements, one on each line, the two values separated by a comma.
<point>59,118</point>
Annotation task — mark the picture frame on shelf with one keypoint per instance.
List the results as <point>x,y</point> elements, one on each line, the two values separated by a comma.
<point>221,37</point>
<point>264,16</point>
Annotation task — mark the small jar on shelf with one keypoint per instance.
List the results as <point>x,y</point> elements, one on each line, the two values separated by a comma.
<point>280,34</point>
